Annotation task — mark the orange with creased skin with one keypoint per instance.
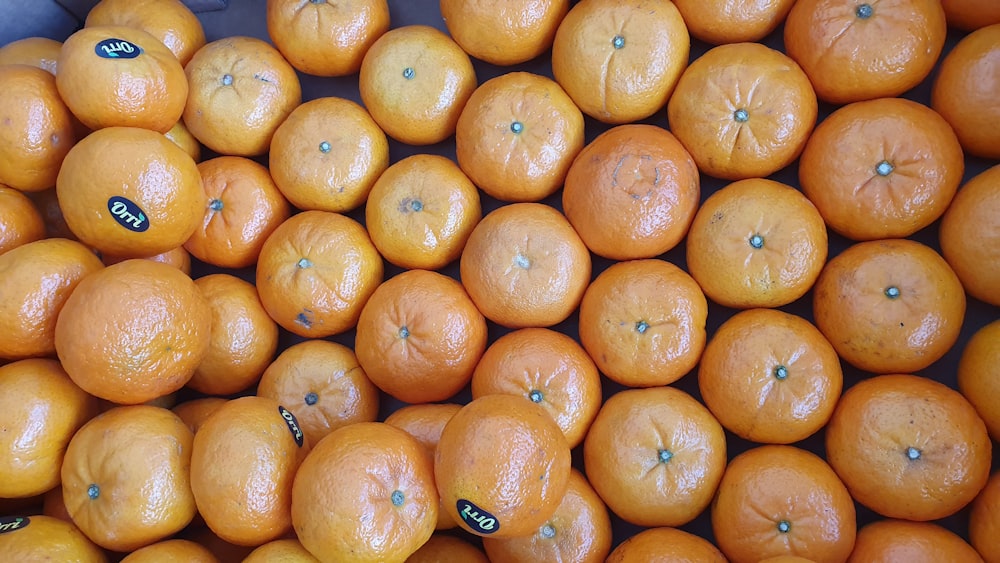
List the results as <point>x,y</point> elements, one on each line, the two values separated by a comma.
<point>913,542</point>
<point>969,15</point>
<point>517,136</point>
<point>743,110</point>
<point>316,271</point>
<point>442,548</point>
<point>42,52</point>
<point>580,531</point>
<point>177,257</point>
<point>421,211</point>
<point>321,383</point>
<point>130,192</point>
<point>170,21</point>
<point>195,412</point>
<point>133,332</point>
<point>503,34</point>
<point>855,50</point>
<point>21,221</point>
<point>732,21</point>
<point>117,76</point>
<point>655,456</point>
<point>126,477</point>
<point>326,38</point>
<point>327,154</point>
<point>870,168</point>
<point>776,500</point>
<point>40,410</point>
<point>365,493</point>
<point>889,306</point>
<point>501,466</point>
<point>548,368</point>
<point>979,375</point>
<point>243,208</point>
<point>619,62</point>
<point>908,447</point>
<point>171,550</point>
<point>183,138</point>
<point>969,235</point>
<point>770,376</point>
<point>281,551</point>
<point>420,336</point>
<point>415,81</point>
<point>632,192</point>
<point>240,90</point>
<point>664,545</point>
<point>643,322</point>
<point>43,538</point>
<point>36,279</point>
<point>524,265</point>
<point>984,520</point>
<point>756,243</point>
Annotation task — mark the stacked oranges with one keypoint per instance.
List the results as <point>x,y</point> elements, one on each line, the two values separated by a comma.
<point>533,280</point>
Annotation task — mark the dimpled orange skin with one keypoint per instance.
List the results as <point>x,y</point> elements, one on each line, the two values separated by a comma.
<point>984,520</point>
<point>170,21</point>
<point>979,375</point>
<point>666,544</point>
<point>35,51</point>
<point>733,21</point>
<point>21,221</point>
<point>503,33</point>
<point>913,542</point>
<point>969,234</point>
<point>50,539</point>
<point>968,15</point>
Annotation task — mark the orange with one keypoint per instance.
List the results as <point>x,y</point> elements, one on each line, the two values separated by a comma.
<point>46,205</point>
<point>327,154</point>
<point>420,336</point>
<point>117,76</point>
<point>243,208</point>
<point>126,479</point>
<point>421,211</point>
<point>517,136</point>
<point>240,90</point>
<point>770,377</point>
<point>732,21</point>
<point>171,550</point>
<point>855,50</point>
<point>243,338</point>
<point>195,412</point>
<point>502,466</point>
<point>756,243</point>
<point>21,221</point>
<point>632,192</point>
<point>321,383</point>
<point>42,52</point>
<point>969,232</point>
<point>524,265</point>
<point>908,447</point>
<point>916,542</point>
<point>281,551</point>
<point>130,192</point>
<point>889,306</point>
<point>177,257</point>
<point>979,375</point>
<point>326,38</point>
<point>545,367</point>
<point>962,90</point>
<point>223,550</point>
<point>170,21</point>
<point>133,331</point>
<point>36,128</point>
<point>968,15</point>
<point>365,493</point>
<point>619,62</point>
<point>441,548</point>
<point>655,456</point>
<point>580,531</point>
<point>243,460</point>
<point>984,520</point>
<point>782,500</point>
<point>36,279</point>
<point>40,410</point>
<point>786,559</point>
<point>503,34</point>
<point>871,170</point>
<point>316,271</point>
<point>665,545</point>
<point>743,110</point>
<point>415,81</point>
<point>643,322</point>
<point>43,538</point>
<point>53,505</point>
<point>183,138</point>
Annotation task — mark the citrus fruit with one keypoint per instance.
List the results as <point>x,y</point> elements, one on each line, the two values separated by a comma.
<point>663,545</point>
<point>171,550</point>
<point>54,506</point>
<point>732,21</point>
<point>46,206</point>
<point>281,551</point>
<point>919,542</point>
<point>195,412</point>
<point>984,520</point>
<point>21,221</point>
<point>969,15</point>
<point>176,257</point>
<point>42,52</point>
<point>968,233</point>
<point>503,34</point>
<point>43,538</point>
<point>183,138</point>
<point>441,548</point>
<point>979,374</point>
<point>170,21</point>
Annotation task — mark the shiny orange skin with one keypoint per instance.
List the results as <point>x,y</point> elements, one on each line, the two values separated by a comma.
<point>969,15</point>
<point>979,375</point>
<point>443,548</point>
<point>665,545</point>
<point>176,257</point>
<point>170,21</point>
<point>732,21</point>
<point>503,34</point>
<point>50,539</point>
<point>281,551</point>
<point>21,221</point>
<point>984,520</point>
<point>969,234</point>
<point>42,52</point>
<point>916,542</point>
<point>171,550</point>
<point>183,138</point>
<point>195,412</point>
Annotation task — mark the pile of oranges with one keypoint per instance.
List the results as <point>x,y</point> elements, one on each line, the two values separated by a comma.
<point>543,281</point>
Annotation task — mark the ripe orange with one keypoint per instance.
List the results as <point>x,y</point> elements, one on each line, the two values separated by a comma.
<point>732,21</point>
<point>421,211</point>
<point>664,545</point>
<point>639,185</point>
<point>46,205</point>
<point>979,375</point>
<point>183,138</point>
<point>125,477</point>
<point>776,500</point>
<point>43,538</point>
<point>441,548</point>
<point>170,21</point>
<point>177,257</point>
<point>54,506</point>
<point>984,520</point>
<point>756,243</point>
<point>643,322</point>
<point>415,80</point>
<point>195,412</point>
<point>501,466</point>
<point>281,551</point>
<point>316,271</point>
<point>913,542</point>
<point>863,50</point>
<point>420,336</point>
<point>171,550</point>
<point>21,221</point>
<point>42,52</point>
<point>969,15</point>
<point>117,76</point>
<point>517,136</point>
<point>503,34</point>
<point>889,306</point>
<point>365,493</point>
<point>908,447</point>
<point>969,232</point>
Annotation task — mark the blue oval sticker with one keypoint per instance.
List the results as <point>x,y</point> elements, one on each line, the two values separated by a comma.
<point>113,48</point>
<point>476,518</point>
<point>128,214</point>
<point>13,523</point>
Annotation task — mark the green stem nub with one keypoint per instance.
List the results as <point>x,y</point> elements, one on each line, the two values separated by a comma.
<point>408,73</point>
<point>517,127</point>
<point>665,455</point>
<point>521,261</point>
<point>892,292</point>
<point>416,205</point>
<point>227,79</point>
<point>781,373</point>
<point>93,491</point>
<point>404,332</point>
<point>757,241</point>
<point>884,168</point>
<point>304,263</point>
<point>784,526</point>
<point>741,115</point>
<point>548,531</point>
<point>618,42</point>
<point>535,396</point>
<point>912,453</point>
<point>864,11</point>
<point>312,398</point>
<point>215,205</point>
<point>324,147</point>
<point>641,327</point>
<point>397,498</point>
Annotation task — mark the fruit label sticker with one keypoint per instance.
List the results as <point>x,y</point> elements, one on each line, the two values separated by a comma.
<point>13,523</point>
<point>293,424</point>
<point>128,214</point>
<point>113,48</point>
<point>477,518</point>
